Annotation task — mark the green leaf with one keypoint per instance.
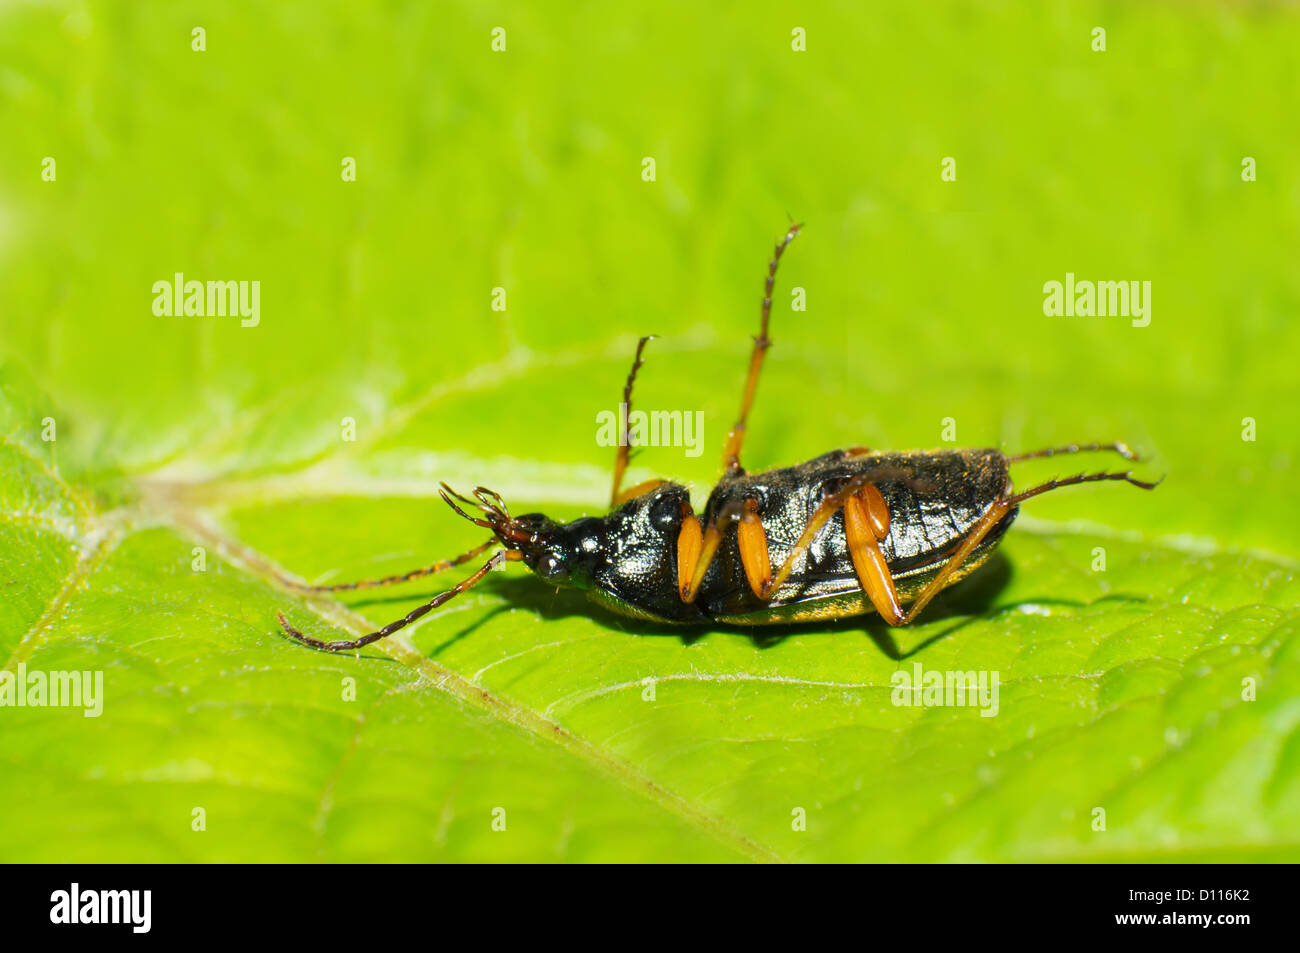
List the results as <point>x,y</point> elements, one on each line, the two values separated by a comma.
<point>601,741</point>
<point>193,461</point>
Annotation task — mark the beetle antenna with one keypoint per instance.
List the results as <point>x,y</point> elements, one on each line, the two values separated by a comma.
<point>447,493</point>
<point>490,501</point>
<point>499,520</point>
<point>1126,476</point>
<point>439,566</point>
<point>347,645</point>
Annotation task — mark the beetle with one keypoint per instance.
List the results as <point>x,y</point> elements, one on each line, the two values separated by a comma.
<point>850,532</point>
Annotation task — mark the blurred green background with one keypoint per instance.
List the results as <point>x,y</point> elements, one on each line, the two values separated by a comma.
<point>523,169</point>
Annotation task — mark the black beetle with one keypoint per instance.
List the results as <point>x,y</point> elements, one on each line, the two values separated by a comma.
<point>850,532</point>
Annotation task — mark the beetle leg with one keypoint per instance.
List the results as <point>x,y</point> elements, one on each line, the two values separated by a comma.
<point>439,566</point>
<point>736,438</point>
<point>632,492</point>
<point>1126,476</point>
<point>752,540</point>
<point>346,645</point>
<point>690,540</point>
<point>866,518</point>
<point>992,515</point>
<point>827,508</point>
<point>1121,448</point>
<point>995,512</point>
<point>709,543</point>
<point>862,528</point>
<point>624,442</point>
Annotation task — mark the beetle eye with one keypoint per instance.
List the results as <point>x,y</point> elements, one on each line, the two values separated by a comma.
<point>550,566</point>
<point>665,513</point>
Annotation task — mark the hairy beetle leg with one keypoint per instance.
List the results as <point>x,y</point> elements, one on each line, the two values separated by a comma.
<point>1116,447</point>
<point>624,452</point>
<point>1126,476</point>
<point>866,523</point>
<point>829,506</point>
<point>736,438</point>
<point>992,516</point>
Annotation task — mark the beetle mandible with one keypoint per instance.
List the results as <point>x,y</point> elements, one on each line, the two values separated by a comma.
<point>850,532</point>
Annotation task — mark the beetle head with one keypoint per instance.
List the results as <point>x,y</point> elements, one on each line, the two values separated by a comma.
<point>563,553</point>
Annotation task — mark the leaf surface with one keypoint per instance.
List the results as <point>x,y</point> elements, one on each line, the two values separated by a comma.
<point>1162,691</point>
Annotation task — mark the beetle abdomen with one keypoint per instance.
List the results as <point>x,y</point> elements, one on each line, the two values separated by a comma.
<point>934,499</point>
